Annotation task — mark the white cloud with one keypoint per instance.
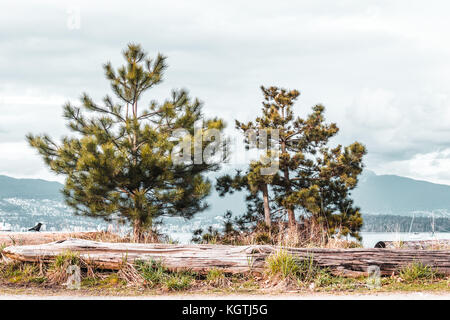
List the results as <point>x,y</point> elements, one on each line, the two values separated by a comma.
<point>20,161</point>
<point>380,67</point>
<point>399,125</point>
<point>433,166</point>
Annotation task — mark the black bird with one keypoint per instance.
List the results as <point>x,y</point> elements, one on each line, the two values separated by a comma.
<point>36,227</point>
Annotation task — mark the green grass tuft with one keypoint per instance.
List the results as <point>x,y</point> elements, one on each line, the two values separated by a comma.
<point>67,258</point>
<point>417,271</point>
<point>216,278</point>
<point>177,281</point>
<point>19,272</point>
<point>153,272</point>
<point>282,264</point>
<point>2,247</point>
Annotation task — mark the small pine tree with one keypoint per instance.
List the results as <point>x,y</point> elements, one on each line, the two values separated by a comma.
<point>120,161</point>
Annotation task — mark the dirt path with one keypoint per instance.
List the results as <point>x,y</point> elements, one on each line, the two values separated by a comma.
<point>55,294</point>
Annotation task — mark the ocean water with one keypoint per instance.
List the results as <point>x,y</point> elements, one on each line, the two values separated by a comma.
<point>369,238</point>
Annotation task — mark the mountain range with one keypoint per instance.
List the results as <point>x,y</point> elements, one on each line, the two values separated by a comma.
<point>390,194</point>
<point>29,188</point>
<point>375,194</point>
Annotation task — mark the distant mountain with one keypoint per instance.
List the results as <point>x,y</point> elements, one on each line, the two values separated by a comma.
<point>390,194</point>
<point>384,194</point>
<point>29,188</point>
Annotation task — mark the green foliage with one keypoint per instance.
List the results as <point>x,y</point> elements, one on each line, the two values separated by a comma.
<point>66,258</point>
<point>282,264</point>
<point>19,272</point>
<point>214,274</point>
<point>216,277</point>
<point>120,160</point>
<point>310,272</point>
<point>153,272</point>
<point>109,281</point>
<point>313,179</point>
<point>211,236</point>
<point>177,282</point>
<point>417,271</point>
<point>255,214</point>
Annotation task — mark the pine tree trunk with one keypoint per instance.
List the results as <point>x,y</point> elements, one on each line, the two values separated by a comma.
<point>137,231</point>
<point>267,217</point>
<point>290,211</point>
<point>291,217</point>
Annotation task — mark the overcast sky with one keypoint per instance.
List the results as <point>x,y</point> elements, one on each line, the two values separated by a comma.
<point>381,68</point>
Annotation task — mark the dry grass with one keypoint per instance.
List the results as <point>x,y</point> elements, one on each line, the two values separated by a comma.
<point>439,245</point>
<point>18,239</point>
<point>57,272</point>
<point>148,237</point>
<point>425,245</point>
<point>336,243</point>
<point>279,235</point>
<point>217,278</point>
<point>130,275</point>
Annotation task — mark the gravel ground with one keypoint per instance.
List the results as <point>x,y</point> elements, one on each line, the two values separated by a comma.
<point>318,296</point>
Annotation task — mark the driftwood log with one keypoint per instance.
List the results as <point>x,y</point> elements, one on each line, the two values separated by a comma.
<point>25,238</point>
<point>233,259</point>
<point>418,244</point>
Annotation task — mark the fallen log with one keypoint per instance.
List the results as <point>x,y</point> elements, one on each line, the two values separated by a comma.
<point>25,238</point>
<point>233,259</point>
<point>417,244</point>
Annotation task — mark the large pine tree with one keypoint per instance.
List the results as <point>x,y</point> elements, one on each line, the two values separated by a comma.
<point>120,161</point>
<point>313,179</point>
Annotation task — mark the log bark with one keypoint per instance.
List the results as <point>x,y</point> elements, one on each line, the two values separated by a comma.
<point>233,259</point>
<point>417,245</point>
<point>25,238</point>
